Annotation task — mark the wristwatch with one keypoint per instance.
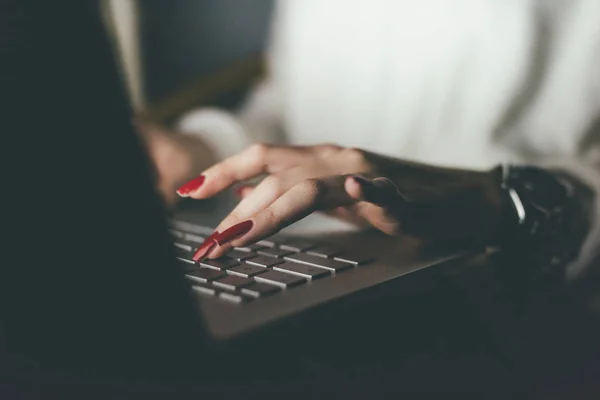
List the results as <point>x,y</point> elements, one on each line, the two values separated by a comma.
<point>542,221</point>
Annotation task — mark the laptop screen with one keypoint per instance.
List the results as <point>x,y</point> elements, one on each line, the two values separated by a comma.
<point>92,280</point>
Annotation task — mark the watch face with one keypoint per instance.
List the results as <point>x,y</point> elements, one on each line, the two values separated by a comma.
<point>552,232</point>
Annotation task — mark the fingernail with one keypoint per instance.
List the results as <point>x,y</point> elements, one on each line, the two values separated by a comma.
<point>234,232</point>
<point>205,248</point>
<point>191,186</point>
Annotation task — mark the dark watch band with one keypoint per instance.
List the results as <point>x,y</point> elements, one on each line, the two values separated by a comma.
<point>542,219</point>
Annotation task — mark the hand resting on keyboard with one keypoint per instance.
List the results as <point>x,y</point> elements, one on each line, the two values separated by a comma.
<point>395,196</point>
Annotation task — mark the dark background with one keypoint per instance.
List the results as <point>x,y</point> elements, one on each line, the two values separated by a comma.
<point>183,40</point>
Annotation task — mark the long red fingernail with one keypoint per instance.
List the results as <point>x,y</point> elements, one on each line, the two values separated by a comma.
<point>205,248</point>
<point>191,186</point>
<point>234,232</point>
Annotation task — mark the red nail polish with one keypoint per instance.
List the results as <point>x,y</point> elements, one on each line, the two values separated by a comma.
<point>205,248</point>
<point>234,232</point>
<point>191,186</point>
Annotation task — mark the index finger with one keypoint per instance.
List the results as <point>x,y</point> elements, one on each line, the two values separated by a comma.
<point>254,161</point>
<point>298,202</point>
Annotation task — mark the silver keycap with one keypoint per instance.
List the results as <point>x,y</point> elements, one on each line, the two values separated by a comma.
<point>235,297</point>
<point>306,271</point>
<point>204,275</point>
<point>184,255</point>
<point>232,282</point>
<point>274,252</point>
<point>205,289</point>
<point>272,241</point>
<point>176,234</point>
<point>239,255</point>
<point>260,290</point>
<point>194,238</point>
<point>183,246</point>
<point>307,259</point>
<point>280,279</point>
<point>219,263</point>
<point>325,251</point>
<point>246,270</point>
<point>263,261</point>
<point>296,245</point>
<point>250,248</point>
<point>355,259</point>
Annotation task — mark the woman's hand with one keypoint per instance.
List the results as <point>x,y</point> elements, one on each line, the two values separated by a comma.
<point>176,157</point>
<point>392,195</point>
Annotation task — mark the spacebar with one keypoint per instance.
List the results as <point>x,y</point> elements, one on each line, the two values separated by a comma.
<point>326,263</point>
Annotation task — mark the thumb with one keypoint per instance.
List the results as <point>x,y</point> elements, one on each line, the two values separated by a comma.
<point>380,191</point>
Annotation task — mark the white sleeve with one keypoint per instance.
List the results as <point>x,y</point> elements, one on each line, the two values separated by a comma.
<point>260,117</point>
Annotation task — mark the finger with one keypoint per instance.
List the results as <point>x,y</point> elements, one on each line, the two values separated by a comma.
<point>381,203</point>
<point>349,215</point>
<point>254,161</point>
<point>243,191</point>
<point>270,189</point>
<point>302,199</point>
<point>378,217</point>
<point>380,191</point>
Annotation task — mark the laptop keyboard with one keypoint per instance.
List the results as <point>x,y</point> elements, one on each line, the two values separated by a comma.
<point>259,270</point>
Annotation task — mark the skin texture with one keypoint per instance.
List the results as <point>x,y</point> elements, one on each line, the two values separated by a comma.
<point>395,196</point>
<point>177,158</point>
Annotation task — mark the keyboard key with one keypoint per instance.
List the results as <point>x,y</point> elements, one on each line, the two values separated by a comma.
<point>187,267</point>
<point>306,271</point>
<point>265,262</point>
<point>246,270</point>
<point>280,279</point>
<point>194,238</point>
<point>220,263</point>
<point>274,252</point>
<point>239,255</point>
<point>205,289</point>
<point>204,275</point>
<point>315,261</point>
<point>297,245</point>
<point>176,234</point>
<point>184,255</point>
<point>183,246</point>
<point>232,282</point>
<point>260,290</point>
<point>352,258</point>
<point>325,251</point>
<point>250,248</point>
<point>235,297</point>
<point>272,241</point>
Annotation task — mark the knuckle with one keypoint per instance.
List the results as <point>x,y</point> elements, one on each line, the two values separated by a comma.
<point>273,183</point>
<point>354,155</point>
<point>329,148</point>
<point>259,151</point>
<point>313,189</point>
<point>269,216</point>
